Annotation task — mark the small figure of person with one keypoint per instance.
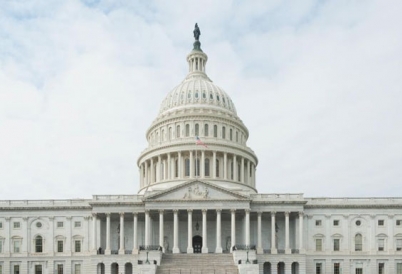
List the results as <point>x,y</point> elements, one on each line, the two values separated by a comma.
<point>197,32</point>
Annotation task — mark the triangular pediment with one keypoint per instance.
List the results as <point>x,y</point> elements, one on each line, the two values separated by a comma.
<point>196,191</point>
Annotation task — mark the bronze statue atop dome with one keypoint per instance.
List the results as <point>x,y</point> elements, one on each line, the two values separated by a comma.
<point>197,32</point>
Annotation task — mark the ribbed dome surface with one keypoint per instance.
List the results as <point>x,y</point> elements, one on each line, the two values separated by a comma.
<point>195,91</point>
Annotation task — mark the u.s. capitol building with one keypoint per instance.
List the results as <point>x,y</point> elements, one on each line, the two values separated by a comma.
<point>198,209</point>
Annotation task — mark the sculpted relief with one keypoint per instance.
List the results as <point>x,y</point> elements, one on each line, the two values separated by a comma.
<point>196,192</point>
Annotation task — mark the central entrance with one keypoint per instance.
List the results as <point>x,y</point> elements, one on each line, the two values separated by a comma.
<point>197,244</point>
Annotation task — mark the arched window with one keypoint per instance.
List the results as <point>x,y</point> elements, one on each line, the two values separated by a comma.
<point>358,242</point>
<point>217,168</point>
<point>223,133</point>
<point>187,130</point>
<point>38,244</point>
<point>206,167</point>
<point>157,137</point>
<point>176,168</point>
<point>238,172</point>
<point>197,166</point>
<point>187,167</point>
<point>163,135</point>
<point>197,130</point>
<point>178,131</point>
<point>170,133</point>
<point>231,170</point>
<point>215,131</point>
<point>206,130</point>
<point>237,137</point>
<point>231,134</point>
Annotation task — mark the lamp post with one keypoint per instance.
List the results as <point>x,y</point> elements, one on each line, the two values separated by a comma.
<point>247,249</point>
<point>147,261</point>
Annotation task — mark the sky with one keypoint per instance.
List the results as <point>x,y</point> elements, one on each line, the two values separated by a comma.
<point>317,83</point>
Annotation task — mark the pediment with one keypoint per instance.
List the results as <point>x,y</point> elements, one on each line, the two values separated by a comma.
<point>196,191</point>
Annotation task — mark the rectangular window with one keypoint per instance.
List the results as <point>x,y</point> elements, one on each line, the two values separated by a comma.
<point>336,244</point>
<point>77,246</point>
<point>1,269</point>
<point>16,269</point>
<point>60,224</point>
<point>77,224</point>
<point>399,268</point>
<point>16,225</point>
<point>337,268</point>
<point>38,269</point>
<point>381,245</point>
<point>77,269</point>
<point>318,222</point>
<point>318,244</point>
<point>1,247</point>
<point>380,222</point>
<point>1,226</point>
<point>336,222</point>
<point>318,268</point>
<point>60,269</point>
<point>381,267</point>
<point>17,246</point>
<point>359,271</point>
<point>59,246</point>
<point>398,244</point>
<point>399,222</point>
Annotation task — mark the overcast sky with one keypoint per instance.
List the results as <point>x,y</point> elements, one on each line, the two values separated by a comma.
<point>317,83</point>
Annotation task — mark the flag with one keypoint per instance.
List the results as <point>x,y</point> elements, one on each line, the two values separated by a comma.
<point>199,142</point>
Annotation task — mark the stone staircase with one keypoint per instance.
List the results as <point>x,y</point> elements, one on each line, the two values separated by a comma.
<point>197,264</point>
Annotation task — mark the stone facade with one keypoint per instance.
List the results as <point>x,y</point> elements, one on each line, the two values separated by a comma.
<point>198,195</point>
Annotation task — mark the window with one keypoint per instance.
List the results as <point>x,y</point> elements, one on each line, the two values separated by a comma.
<point>187,130</point>
<point>215,131</point>
<point>381,244</point>
<point>176,168</point>
<point>206,130</point>
<point>318,222</point>
<point>206,167</point>
<point>77,245</point>
<point>318,244</point>
<point>381,268</point>
<point>318,268</point>
<point>237,136</point>
<point>1,225</point>
<point>178,132</point>
<point>380,222</point>
<point>77,224</point>
<point>16,225</point>
<point>197,166</point>
<point>337,268</point>
<point>38,244</point>
<point>336,244</point>
<point>223,133</point>
<point>336,222</point>
<point>197,130</point>
<point>359,270</point>
<point>230,134</point>
<point>163,135</point>
<point>60,269</point>
<point>16,269</point>
<point>1,269</point>
<point>60,245</point>
<point>217,168</point>
<point>398,223</point>
<point>358,222</point>
<point>187,167</point>
<point>399,268</point>
<point>398,244</point>
<point>358,242</point>
<point>77,269</point>
<point>17,245</point>
<point>38,269</point>
<point>170,136</point>
<point>1,246</point>
<point>38,224</point>
<point>60,224</point>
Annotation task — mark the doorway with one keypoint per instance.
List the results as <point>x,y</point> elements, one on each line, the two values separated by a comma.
<point>197,244</point>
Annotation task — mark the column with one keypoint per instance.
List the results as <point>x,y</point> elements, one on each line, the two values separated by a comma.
<point>107,250</point>
<point>225,165</point>
<point>146,228</point>
<point>179,168</point>
<point>273,234</point>
<point>233,229</point>
<point>94,244</point>
<point>214,164</point>
<point>175,232</point>
<point>146,173</point>
<point>161,231</point>
<point>234,168</point>
<point>202,165</point>
<point>301,248</point>
<point>135,232</point>
<point>152,175</point>
<point>204,231</point>
<point>121,249</point>
<point>169,167</point>
<point>218,232</point>
<point>247,236</point>
<point>259,237</point>
<point>190,231</point>
<point>191,165</point>
<point>248,173</point>
<point>242,170</point>
<point>159,169</point>
<point>287,248</point>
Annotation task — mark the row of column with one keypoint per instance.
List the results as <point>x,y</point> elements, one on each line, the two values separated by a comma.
<point>218,249</point>
<point>151,171</point>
